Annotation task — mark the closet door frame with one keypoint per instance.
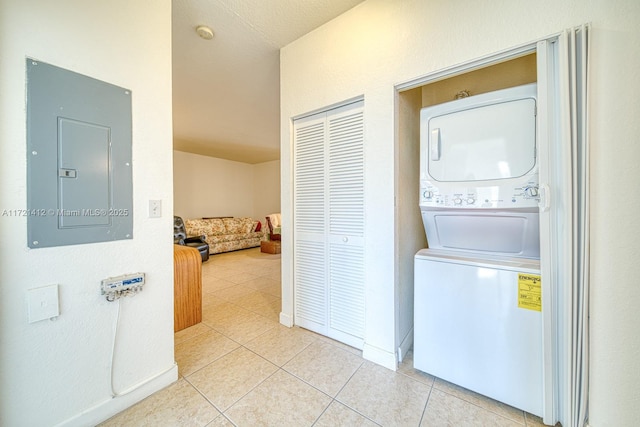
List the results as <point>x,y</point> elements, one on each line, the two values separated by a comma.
<point>554,261</point>
<point>323,239</point>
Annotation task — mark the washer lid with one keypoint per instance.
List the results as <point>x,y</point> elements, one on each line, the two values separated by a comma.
<point>523,265</point>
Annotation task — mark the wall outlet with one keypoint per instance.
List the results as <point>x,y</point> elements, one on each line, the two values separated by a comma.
<point>43,303</point>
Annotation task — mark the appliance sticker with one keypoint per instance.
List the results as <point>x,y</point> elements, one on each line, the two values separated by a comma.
<point>529,292</point>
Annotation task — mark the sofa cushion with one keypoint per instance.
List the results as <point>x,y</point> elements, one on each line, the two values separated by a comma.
<point>238,225</point>
<point>248,225</point>
<point>206,227</point>
<point>232,237</point>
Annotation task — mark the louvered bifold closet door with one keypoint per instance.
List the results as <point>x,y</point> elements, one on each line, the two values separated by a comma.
<point>346,224</point>
<point>310,265</point>
<point>328,229</point>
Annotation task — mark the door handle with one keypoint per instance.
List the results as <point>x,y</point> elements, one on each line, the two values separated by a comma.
<point>434,144</point>
<point>545,198</point>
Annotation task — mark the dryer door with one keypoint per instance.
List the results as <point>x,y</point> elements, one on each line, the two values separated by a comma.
<point>490,142</point>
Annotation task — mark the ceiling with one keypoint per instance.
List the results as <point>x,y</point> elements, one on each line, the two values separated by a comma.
<point>226,91</point>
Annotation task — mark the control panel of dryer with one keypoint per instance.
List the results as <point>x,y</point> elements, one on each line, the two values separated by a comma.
<point>517,195</point>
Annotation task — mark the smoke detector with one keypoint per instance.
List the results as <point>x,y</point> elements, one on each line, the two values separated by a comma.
<point>204,32</point>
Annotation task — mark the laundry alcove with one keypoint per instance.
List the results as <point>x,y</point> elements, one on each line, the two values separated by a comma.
<point>559,65</point>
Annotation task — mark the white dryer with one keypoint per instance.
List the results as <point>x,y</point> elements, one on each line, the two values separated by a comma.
<point>479,174</point>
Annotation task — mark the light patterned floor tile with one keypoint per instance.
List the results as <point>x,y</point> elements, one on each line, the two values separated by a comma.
<point>201,350</point>
<point>280,344</point>
<point>233,293</point>
<point>220,271</point>
<point>177,405</point>
<point>253,272</point>
<point>479,400</point>
<point>221,314</point>
<point>406,368</point>
<point>338,344</point>
<point>211,300</point>
<point>190,332</point>
<point>271,310</point>
<point>220,421</point>
<point>324,366</point>
<point>212,284</point>
<point>384,396</point>
<point>260,283</point>
<point>244,327</point>
<point>241,277</point>
<point>339,415</point>
<point>281,400</point>
<point>226,380</point>
<point>275,275</point>
<point>269,286</point>
<point>535,421</point>
<point>446,410</point>
<point>253,299</point>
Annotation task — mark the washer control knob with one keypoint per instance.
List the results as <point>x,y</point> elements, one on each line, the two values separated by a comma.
<point>470,200</point>
<point>457,201</point>
<point>427,194</point>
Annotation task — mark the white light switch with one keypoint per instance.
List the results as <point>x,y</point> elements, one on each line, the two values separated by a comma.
<point>43,303</point>
<point>155,208</point>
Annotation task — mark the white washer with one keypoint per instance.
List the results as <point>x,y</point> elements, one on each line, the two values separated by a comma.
<point>478,324</point>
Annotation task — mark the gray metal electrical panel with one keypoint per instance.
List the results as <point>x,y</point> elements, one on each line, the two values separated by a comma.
<point>79,187</point>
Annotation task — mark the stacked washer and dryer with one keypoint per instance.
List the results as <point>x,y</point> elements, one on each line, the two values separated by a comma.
<point>478,314</point>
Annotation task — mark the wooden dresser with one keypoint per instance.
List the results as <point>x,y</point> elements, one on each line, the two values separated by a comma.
<point>187,287</point>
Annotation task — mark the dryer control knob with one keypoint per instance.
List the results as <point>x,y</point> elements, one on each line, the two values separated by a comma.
<point>457,201</point>
<point>531,191</point>
<point>471,201</point>
<point>427,194</point>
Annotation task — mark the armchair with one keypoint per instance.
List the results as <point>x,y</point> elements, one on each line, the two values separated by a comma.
<point>273,222</point>
<point>180,238</point>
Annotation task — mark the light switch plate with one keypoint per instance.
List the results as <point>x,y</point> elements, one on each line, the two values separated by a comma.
<point>155,208</point>
<point>43,303</point>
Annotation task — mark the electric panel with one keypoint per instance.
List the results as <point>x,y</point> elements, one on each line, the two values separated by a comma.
<point>79,187</point>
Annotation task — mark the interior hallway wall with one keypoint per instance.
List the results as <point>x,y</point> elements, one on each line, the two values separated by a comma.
<point>381,43</point>
<point>266,189</point>
<point>57,372</point>
<point>208,186</point>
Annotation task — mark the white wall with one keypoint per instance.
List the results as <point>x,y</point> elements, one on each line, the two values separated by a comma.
<point>381,43</point>
<point>208,186</point>
<point>266,185</point>
<point>57,372</point>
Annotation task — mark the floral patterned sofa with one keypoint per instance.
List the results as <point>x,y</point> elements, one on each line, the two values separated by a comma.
<point>227,234</point>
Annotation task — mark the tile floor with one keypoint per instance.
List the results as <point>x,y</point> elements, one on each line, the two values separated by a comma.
<point>241,367</point>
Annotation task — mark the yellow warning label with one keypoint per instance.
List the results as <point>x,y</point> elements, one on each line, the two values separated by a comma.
<point>529,291</point>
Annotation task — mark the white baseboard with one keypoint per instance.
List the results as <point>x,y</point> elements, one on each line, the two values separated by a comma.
<point>286,319</point>
<point>381,357</point>
<point>405,345</point>
<point>111,406</point>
